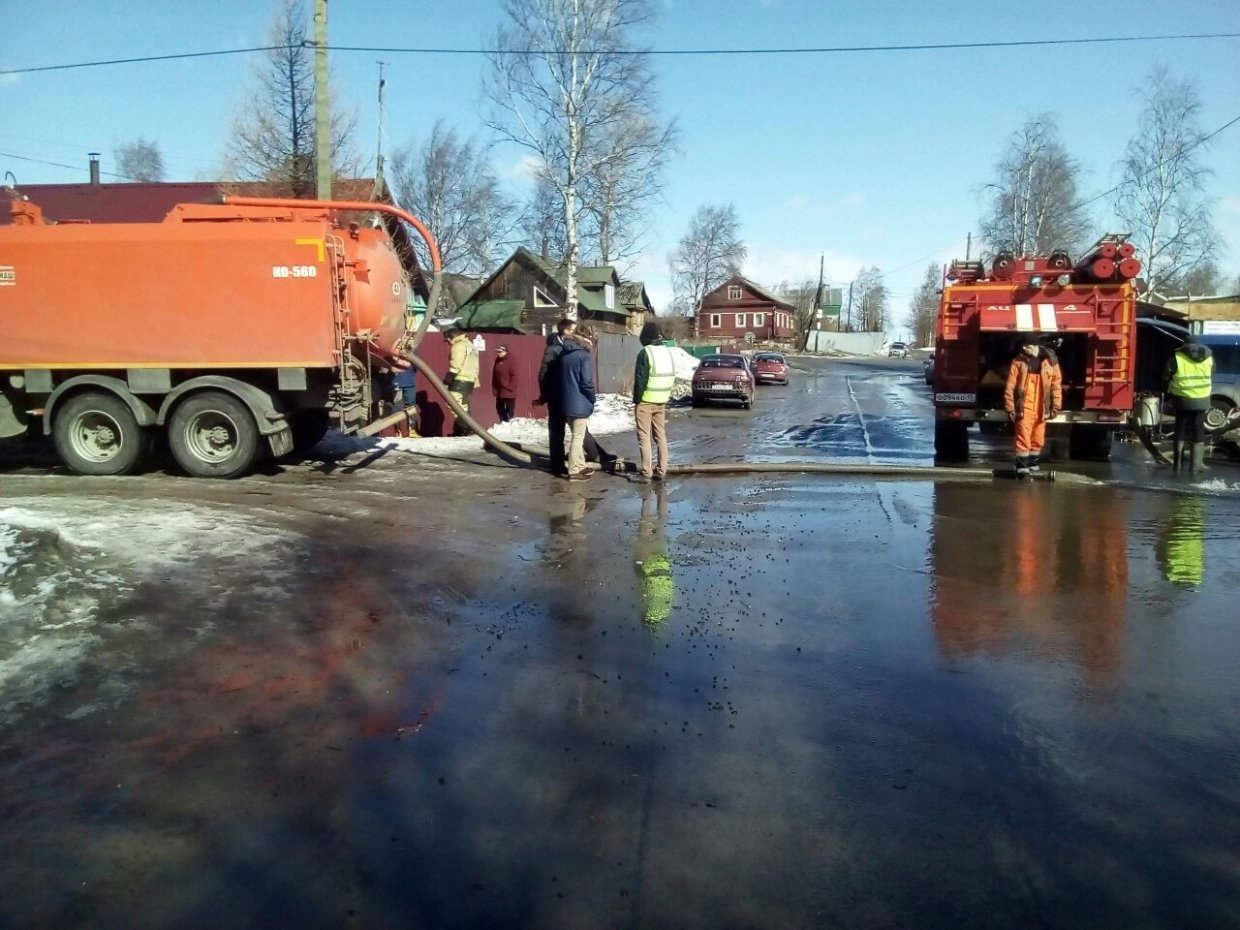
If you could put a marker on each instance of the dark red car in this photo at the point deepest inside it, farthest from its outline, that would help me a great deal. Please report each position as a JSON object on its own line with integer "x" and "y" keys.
{"x": 770, "y": 368}
{"x": 723, "y": 377}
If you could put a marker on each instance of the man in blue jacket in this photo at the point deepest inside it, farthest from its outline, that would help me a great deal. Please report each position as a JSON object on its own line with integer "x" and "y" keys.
{"x": 549, "y": 394}
{"x": 577, "y": 396}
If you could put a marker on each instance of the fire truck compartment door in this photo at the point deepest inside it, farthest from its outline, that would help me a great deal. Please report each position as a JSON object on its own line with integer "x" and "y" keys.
{"x": 1036, "y": 318}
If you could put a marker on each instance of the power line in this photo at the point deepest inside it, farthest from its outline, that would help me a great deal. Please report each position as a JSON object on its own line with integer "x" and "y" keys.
{"x": 666, "y": 52}
{"x": 56, "y": 164}
{"x": 133, "y": 61}
{"x": 813, "y": 50}
{"x": 1170, "y": 158}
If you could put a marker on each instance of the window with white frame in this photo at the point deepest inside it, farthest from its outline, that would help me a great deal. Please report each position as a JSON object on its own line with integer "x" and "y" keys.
{"x": 541, "y": 299}
{"x": 759, "y": 319}
{"x": 734, "y": 292}
{"x": 740, "y": 320}
{"x": 609, "y": 296}
{"x": 716, "y": 320}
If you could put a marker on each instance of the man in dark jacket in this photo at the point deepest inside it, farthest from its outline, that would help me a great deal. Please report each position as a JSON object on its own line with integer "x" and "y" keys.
{"x": 577, "y": 395}
{"x": 548, "y": 388}
{"x": 1188, "y": 379}
{"x": 504, "y": 384}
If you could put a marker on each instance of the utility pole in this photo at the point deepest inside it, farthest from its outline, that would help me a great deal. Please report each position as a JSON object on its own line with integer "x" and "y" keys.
{"x": 322, "y": 111}
{"x": 380, "y": 181}
{"x": 850, "y": 287}
{"x": 968, "y": 245}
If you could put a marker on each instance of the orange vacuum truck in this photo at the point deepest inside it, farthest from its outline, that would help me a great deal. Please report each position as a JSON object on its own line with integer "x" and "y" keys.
{"x": 233, "y": 330}
{"x": 1085, "y": 311}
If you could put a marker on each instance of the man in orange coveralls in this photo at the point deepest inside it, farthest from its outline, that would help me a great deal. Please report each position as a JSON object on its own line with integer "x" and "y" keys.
{"x": 1034, "y": 394}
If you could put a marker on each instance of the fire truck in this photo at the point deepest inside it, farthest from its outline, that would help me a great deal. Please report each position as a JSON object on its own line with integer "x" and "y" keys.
{"x": 1085, "y": 311}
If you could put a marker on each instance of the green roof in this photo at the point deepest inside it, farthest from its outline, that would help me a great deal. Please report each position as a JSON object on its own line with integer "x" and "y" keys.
{"x": 492, "y": 314}
{"x": 598, "y": 274}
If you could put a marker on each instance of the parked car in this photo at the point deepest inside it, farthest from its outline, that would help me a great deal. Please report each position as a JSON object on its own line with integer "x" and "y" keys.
{"x": 724, "y": 377}
{"x": 897, "y": 350}
{"x": 770, "y": 368}
{"x": 1225, "y": 395}
{"x": 928, "y": 370}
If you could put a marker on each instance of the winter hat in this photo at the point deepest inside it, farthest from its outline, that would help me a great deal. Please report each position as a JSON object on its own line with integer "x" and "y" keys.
{"x": 651, "y": 334}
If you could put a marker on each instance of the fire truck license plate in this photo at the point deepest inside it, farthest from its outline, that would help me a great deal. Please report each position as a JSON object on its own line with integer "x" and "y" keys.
{"x": 955, "y": 398}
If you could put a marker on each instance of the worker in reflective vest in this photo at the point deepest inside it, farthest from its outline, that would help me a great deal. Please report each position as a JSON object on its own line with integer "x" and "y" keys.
{"x": 1189, "y": 379}
{"x": 1182, "y": 542}
{"x": 1034, "y": 394}
{"x": 652, "y": 389}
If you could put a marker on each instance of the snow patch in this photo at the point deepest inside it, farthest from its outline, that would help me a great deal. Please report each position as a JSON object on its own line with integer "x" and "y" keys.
{"x": 613, "y": 413}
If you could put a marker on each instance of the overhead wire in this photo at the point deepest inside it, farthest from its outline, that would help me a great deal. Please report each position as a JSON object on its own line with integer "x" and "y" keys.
{"x": 654, "y": 52}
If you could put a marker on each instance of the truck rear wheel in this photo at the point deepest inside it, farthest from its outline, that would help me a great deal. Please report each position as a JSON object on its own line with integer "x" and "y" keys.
{"x": 951, "y": 441}
{"x": 213, "y": 435}
{"x": 97, "y": 434}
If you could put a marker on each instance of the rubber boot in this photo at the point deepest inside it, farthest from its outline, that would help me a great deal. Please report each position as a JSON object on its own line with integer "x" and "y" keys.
{"x": 1177, "y": 455}
{"x": 1198, "y": 451}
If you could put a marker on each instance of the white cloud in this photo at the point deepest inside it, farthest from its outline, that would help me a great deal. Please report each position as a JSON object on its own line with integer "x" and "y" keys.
{"x": 651, "y": 269}
{"x": 9, "y": 78}
{"x": 770, "y": 265}
{"x": 796, "y": 203}
{"x": 852, "y": 199}
{"x": 524, "y": 168}
{"x": 1230, "y": 204}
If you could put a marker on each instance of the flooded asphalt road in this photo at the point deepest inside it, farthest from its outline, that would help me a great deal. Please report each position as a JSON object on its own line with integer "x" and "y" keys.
{"x": 395, "y": 691}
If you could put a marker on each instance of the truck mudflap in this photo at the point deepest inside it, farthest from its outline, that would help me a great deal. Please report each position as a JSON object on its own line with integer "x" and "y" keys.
{"x": 142, "y": 411}
{"x": 269, "y": 415}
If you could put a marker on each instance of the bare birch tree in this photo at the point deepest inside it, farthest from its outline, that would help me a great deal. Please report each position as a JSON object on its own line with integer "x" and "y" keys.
{"x": 871, "y": 299}
{"x": 564, "y": 75}
{"x": 804, "y": 299}
{"x": 448, "y": 184}
{"x": 625, "y": 183}
{"x": 140, "y": 160}
{"x": 273, "y": 132}
{"x": 924, "y": 307}
{"x": 1034, "y": 207}
{"x": 708, "y": 254}
{"x": 541, "y": 223}
{"x": 1162, "y": 197}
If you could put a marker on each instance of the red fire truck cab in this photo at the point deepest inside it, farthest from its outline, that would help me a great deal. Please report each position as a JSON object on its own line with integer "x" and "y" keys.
{"x": 1085, "y": 312}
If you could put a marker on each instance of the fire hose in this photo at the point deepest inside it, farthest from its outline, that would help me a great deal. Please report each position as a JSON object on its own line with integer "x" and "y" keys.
{"x": 408, "y": 343}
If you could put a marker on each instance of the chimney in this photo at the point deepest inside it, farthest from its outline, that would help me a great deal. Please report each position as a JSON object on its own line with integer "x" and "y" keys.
{"x": 94, "y": 169}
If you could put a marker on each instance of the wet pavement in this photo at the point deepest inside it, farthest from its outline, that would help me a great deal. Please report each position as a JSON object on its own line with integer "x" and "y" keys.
{"x": 394, "y": 691}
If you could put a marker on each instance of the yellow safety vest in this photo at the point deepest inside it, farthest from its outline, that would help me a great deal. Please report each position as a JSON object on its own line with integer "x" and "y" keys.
{"x": 1186, "y": 555}
{"x": 658, "y": 590}
{"x": 661, "y": 375}
{"x": 1192, "y": 379}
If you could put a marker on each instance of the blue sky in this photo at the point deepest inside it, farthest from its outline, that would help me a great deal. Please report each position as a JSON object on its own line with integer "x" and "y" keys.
{"x": 871, "y": 158}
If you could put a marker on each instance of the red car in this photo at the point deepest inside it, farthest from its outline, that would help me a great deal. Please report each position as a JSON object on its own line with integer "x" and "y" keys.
{"x": 770, "y": 368}
{"x": 723, "y": 377}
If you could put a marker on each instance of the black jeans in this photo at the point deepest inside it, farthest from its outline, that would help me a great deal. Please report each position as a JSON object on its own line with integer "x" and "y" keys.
{"x": 1190, "y": 425}
{"x": 505, "y": 407}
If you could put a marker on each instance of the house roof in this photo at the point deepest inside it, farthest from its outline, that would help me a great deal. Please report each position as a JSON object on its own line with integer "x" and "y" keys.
{"x": 590, "y": 281}
{"x": 762, "y": 292}
{"x": 492, "y": 314}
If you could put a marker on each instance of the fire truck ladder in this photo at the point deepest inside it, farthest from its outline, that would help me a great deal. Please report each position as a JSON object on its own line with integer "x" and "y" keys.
{"x": 1113, "y": 332}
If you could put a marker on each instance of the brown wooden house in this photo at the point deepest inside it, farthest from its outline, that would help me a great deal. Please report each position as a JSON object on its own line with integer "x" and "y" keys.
{"x": 528, "y": 295}
{"x": 740, "y": 311}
